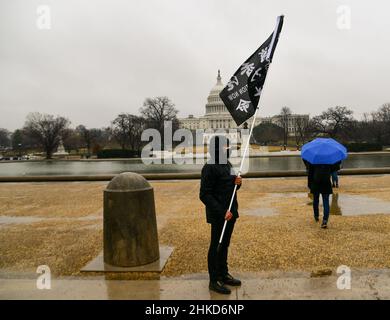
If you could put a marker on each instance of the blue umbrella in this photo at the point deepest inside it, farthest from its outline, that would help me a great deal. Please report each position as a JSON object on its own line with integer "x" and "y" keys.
{"x": 323, "y": 151}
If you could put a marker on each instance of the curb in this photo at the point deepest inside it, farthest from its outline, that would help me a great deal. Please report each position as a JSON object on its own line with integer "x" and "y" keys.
{"x": 186, "y": 176}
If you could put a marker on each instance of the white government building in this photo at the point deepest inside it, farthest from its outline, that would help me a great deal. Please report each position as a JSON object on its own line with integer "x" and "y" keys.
{"x": 218, "y": 117}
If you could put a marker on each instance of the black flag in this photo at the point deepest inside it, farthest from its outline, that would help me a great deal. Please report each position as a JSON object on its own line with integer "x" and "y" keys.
{"x": 242, "y": 93}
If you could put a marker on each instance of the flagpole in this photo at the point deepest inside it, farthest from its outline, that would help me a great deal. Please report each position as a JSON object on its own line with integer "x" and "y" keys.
{"x": 239, "y": 171}
{"x": 270, "y": 50}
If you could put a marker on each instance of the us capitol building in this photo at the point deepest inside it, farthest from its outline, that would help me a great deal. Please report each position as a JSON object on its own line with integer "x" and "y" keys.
{"x": 218, "y": 117}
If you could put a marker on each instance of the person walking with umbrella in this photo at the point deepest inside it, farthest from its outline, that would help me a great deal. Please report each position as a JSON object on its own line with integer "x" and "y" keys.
{"x": 322, "y": 157}
{"x": 321, "y": 185}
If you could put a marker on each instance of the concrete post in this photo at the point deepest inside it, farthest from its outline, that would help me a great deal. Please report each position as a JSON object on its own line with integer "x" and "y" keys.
{"x": 129, "y": 227}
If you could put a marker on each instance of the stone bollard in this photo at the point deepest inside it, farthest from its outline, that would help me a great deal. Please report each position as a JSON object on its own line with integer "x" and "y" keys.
{"x": 129, "y": 227}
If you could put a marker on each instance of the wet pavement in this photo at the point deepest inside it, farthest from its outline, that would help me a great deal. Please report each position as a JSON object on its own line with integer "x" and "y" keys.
{"x": 343, "y": 203}
{"x": 368, "y": 284}
{"x": 351, "y": 205}
{"x": 6, "y": 220}
{"x": 263, "y": 211}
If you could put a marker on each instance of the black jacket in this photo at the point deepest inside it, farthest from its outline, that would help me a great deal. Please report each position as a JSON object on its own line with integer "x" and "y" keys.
{"x": 216, "y": 188}
{"x": 323, "y": 185}
{"x": 309, "y": 172}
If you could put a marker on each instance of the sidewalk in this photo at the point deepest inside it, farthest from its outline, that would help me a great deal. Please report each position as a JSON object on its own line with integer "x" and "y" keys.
{"x": 369, "y": 284}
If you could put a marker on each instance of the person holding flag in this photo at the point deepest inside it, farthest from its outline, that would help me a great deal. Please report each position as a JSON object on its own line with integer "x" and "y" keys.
{"x": 218, "y": 185}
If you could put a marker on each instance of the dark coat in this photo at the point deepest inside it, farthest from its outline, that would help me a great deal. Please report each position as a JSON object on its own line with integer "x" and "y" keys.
{"x": 324, "y": 186}
{"x": 216, "y": 189}
{"x": 309, "y": 171}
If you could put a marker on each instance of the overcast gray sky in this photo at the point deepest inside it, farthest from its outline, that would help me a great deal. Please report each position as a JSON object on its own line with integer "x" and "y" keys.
{"x": 104, "y": 57}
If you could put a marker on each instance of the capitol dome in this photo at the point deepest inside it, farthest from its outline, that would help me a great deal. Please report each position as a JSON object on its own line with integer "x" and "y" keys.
{"x": 217, "y": 115}
{"x": 214, "y": 103}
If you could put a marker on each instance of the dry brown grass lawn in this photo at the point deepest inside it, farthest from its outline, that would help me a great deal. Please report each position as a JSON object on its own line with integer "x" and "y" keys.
{"x": 289, "y": 240}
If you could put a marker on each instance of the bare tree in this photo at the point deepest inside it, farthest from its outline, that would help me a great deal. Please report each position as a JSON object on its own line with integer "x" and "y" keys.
{"x": 90, "y": 137}
{"x": 158, "y": 110}
{"x": 47, "y": 130}
{"x": 302, "y": 130}
{"x": 17, "y": 139}
{"x": 378, "y": 123}
{"x": 285, "y": 114}
{"x": 333, "y": 122}
{"x": 72, "y": 140}
{"x": 266, "y": 133}
{"x": 138, "y": 125}
{"x": 120, "y": 130}
{"x": 127, "y": 130}
{"x": 5, "y": 138}
{"x": 383, "y": 114}
{"x": 85, "y": 136}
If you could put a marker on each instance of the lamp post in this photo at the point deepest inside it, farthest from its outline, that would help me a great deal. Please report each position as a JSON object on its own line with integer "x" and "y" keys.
{"x": 20, "y": 150}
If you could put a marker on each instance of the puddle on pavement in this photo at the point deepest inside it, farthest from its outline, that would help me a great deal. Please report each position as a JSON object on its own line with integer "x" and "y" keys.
{"x": 12, "y": 219}
{"x": 5, "y": 220}
{"x": 340, "y": 204}
{"x": 260, "y": 212}
{"x": 349, "y": 205}
{"x": 346, "y": 204}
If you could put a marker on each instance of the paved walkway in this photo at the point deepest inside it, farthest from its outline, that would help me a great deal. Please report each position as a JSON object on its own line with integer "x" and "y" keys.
{"x": 372, "y": 284}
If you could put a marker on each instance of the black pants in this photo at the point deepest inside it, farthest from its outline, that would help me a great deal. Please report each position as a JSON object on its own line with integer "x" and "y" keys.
{"x": 217, "y": 261}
